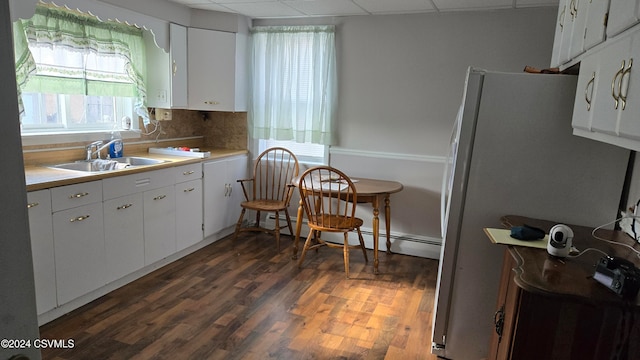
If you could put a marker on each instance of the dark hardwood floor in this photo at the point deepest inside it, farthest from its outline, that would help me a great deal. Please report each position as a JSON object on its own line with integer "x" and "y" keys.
{"x": 253, "y": 303}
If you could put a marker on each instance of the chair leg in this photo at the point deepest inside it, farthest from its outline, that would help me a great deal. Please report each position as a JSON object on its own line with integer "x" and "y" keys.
{"x": 238, "y": 225}
{"x": 258, "y": 218}
{"x": 306, "y": 247}
{"x": 277, "y": 229}
{"x": 346, "y": 253}
{"x": 286, "y": 213}
{"x": 364, "y": 250}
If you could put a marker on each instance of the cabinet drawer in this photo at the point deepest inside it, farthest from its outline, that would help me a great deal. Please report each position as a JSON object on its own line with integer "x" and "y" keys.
{"x": 116, "y": 187}
{"x": 188, "y": 172}
{"x": 67, "y": 197}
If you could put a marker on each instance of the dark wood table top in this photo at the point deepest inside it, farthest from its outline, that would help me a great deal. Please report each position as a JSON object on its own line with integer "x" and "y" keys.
{"x": 539, "y": 272}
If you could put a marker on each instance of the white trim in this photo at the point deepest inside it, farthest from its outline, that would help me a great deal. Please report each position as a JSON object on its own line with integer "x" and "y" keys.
{"x": 406, "y": 244}
{"x": 102, "y": 138}
{"x": 387, "y": 155}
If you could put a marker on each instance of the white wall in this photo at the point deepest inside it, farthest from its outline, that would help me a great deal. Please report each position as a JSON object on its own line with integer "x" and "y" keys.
{"x": 401, "y": 79}
{"x": 17, "y": 298}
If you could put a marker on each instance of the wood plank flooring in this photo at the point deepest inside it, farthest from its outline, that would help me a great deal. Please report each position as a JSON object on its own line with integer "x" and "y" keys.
{"x": 249, "y": 302}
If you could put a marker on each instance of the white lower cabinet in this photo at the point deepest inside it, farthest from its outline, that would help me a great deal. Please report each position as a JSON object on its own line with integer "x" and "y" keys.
{"x": 159, "y": 224}
{"x": 88, "y": 235}
{"x": 123, "y": 235}
{"x": 79, "y": 251}
{"x": 44, "y": 267}
{"x": 222, "y": 193}
{"x": 188, "y": 213}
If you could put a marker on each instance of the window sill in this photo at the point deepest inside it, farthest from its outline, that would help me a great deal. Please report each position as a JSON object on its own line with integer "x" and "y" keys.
{"x": 62, "y": 138}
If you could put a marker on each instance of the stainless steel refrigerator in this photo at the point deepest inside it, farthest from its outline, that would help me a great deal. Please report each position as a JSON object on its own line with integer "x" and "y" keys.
{"x": 512, "y": 152}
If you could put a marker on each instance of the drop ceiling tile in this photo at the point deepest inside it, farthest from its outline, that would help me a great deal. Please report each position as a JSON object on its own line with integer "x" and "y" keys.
{"x": 263, "y": 9}
{"x": 191, "y": 2}
{"x": 472, "y": 4}
{"x": 326, "y": 7}
{"x": 395, "y": 6}
{"x": 209, "y": 6}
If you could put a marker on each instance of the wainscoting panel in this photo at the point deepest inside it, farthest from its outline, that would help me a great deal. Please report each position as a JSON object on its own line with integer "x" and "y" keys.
{"x": 415, "y": 211}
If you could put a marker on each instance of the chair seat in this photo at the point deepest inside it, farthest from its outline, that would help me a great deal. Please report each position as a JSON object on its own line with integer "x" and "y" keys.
{"x": 333, "y": 223}
{"x": 264, "y": 205}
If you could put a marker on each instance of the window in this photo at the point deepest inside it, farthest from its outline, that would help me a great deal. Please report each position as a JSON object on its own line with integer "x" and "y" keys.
{"x": 77, "y": 74}
{"x": 294, "y": 88}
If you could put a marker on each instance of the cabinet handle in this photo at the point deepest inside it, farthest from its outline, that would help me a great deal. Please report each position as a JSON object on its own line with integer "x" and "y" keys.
{"x": 498, "y": 321}
{"x": 588, "y": 95}
{"x": 186, "y": 173}
{"x": 160, "y": 197}
{"x": 31, "y": 205}
{"x": 212, "y": 102}
{"x": 125, "y": 206}
{"x": 613, "y": 86}
{"x": 226, "y": 190}
{"x": 626, "y": 72}
{"x": 79, "y": 218}
{"x": 174, "y": 68}
{"x": 230, "y": 189}
{"x": 78, "y": 195}
{"x": 561, "y": 18}
{"x": 189, "y": 190}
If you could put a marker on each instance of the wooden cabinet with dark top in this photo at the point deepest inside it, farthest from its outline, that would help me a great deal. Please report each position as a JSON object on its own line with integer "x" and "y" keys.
{"x": 550, "y": 308}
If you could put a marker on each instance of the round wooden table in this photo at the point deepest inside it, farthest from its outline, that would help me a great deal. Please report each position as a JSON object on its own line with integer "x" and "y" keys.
{"x": 369, "y": 191}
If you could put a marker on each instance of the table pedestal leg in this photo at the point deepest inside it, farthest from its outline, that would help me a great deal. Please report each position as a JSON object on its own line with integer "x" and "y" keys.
{"x": 376, "y": 234}
{"x": 387, "y": 217}
{"x": 296, "y": 239}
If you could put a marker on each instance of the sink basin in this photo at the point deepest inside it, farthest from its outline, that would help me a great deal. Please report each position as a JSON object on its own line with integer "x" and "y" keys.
{"x": 107, "y": 165}
{"x": 138, "y": 161}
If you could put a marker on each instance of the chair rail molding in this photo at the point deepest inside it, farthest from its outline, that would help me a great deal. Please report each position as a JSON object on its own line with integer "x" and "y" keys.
{"x": 387, "y": 155}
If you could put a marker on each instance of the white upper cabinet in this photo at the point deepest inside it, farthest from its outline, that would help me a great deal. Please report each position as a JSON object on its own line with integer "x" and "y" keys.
{"x": 622, "y": 15}
{"x": 596, "y": 22}
{"x": 167, "y": 79}
{"x": 580, "y": 26}
{"x": 217, "y": 80}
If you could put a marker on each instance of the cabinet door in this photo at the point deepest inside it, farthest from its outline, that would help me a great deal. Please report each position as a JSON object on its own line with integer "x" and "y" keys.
{"x": 579, "y": 12}
{"x": 79, "y": 251}
{"x": 556, "y": 58}
{"x": 222, "y": 193}
{"x": 188, "y": 213}
{"x": 215, "y": 196}
{"x": 237, "y": 169}
{"x": 167, "y": 80}
{"x": 622, "y": 15}
{"x": 629, "y": 121}
{"x": 124, "y": 235}
{"x": 159, "y": 224}
{"x": 44, "y": 268}
{"x": 586, "y": 93}
{"x": 211, "y": 70}
{"x": 178, "y": 58}
{"x": 596, "y": 22}
{"x": 607, "y": 104}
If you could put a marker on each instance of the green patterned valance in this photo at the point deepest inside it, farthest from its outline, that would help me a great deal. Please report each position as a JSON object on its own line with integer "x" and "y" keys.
{"x": 68, "y": 52}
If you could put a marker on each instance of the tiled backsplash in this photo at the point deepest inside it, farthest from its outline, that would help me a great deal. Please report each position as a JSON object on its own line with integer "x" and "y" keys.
{"x": 217, "y": 130}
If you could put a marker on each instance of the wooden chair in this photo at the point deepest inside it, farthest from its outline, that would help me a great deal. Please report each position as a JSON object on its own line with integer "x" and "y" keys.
{"x": 329, "y": 201}
{"x": 271, "y": 190}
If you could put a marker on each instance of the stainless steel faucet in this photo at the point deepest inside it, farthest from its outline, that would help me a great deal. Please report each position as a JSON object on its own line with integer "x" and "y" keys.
{"x": 94, "y": 145}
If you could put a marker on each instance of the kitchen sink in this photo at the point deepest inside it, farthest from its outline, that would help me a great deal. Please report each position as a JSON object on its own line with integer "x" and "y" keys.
{"x": 100, "y": 165}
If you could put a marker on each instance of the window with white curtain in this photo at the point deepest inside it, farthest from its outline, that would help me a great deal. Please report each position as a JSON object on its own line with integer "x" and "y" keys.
{"x": 77, "y": 73}
{"x": 293, "y": 88}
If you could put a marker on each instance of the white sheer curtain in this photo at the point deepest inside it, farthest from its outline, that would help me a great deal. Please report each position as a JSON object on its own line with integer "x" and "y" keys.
{"x": 294, "y": 83}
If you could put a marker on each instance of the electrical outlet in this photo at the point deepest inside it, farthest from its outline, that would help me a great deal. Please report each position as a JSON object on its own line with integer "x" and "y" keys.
{"x": 166, "y": 114}
{"x": 163, "y": 114}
